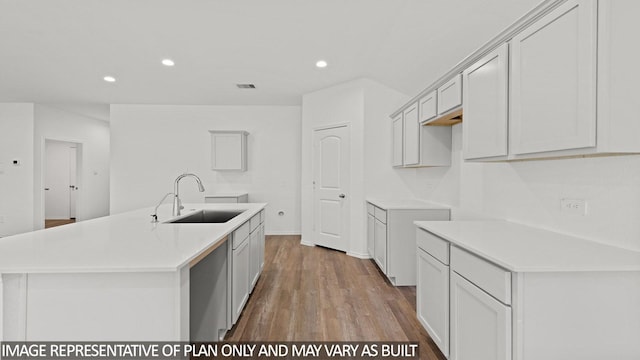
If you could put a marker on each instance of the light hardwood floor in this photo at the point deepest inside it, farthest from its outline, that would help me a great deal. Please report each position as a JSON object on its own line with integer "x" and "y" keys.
{"x": 316, "y": 294}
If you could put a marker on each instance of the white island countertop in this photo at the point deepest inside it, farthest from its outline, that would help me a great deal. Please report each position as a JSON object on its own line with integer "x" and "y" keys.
{"x": 126, "y": 242}
{"x": 404, "y": 204}
{"x": 521, "y": 248}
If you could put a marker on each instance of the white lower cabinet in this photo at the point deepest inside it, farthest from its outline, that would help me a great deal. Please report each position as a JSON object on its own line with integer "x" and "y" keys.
{"x": 480, "y": 324}
{"x": 432, "y": 302}
{"x": 380, "y": 244}
{"x": 261, "y": 239}
{"x": 371, "y": 220}
{"x": 254, "y": 258}
{"x": 240, "y": 278}
{"x": 391, "y": 233}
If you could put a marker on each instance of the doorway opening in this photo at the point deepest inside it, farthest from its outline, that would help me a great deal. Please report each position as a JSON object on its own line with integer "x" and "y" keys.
{"x": 61, "y": 179}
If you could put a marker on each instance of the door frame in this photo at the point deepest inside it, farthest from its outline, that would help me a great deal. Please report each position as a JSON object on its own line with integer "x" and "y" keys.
{"x": 313, "y": 167}
{"x": 79, "y": 177}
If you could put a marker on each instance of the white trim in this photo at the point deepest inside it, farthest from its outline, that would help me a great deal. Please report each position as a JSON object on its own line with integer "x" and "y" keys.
{"x": 359, "y": 255}
{"x": 536, "y": 13}
{"x": 306, "y": 243}
{"x": 332, "y": 126}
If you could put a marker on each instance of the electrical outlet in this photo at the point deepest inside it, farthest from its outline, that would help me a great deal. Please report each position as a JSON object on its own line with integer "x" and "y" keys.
{"x": 573, "y": 206}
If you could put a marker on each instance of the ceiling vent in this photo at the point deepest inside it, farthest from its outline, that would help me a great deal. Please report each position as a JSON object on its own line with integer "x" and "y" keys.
{"x": 246, "y": 86}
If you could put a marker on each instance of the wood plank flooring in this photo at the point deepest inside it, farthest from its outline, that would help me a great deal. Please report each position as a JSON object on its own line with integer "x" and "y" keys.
{"x": 317, "y": 294}
{"x": 49, "y": 223}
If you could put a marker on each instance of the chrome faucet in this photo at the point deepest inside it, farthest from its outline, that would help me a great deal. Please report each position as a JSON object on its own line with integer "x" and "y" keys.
{"x": 154, "y": 216}
{"x": 177, "y": 206}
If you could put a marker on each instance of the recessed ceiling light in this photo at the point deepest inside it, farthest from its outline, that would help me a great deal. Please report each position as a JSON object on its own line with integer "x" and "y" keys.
{"x": 109, "y": 79}
{"x": 168, "y": 62}
{"x": 321, "y": 64}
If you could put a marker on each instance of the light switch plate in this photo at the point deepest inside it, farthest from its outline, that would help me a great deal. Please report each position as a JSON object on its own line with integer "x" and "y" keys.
{"x": 573, "y": 206}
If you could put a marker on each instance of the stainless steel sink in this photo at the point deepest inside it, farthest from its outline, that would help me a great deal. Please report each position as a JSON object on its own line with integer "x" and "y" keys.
{"x": 207, "y": 216}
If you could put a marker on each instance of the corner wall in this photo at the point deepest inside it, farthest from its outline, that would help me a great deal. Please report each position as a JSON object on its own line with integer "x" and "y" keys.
{"x": 16, "y": 182}
{"x": 364, "y": 105}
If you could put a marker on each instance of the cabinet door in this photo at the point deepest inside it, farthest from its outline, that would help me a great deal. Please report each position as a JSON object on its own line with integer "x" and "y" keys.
{"x": 484, "y": 129}
{"x": 411, "y": 136}
{"x": 380, "y": 244}
{"x": 398, "y": 133}
{"x": 229, "y": 150}
{"x": 480, "y": 324}
{"x": 370, "y": 234}
{"x": 432, "y": 299}
{"x": 553, "y": 87}
{"x": 254, "y": 258}
{"x": 428, "y": 106}
{"x": 450, "y": 95}
{"x": 240, "y": 276}
{"x": 261, "y": 239}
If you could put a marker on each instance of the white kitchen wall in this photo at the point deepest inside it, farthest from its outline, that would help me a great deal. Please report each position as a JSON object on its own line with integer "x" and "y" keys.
{"x": 529, "y": 192}
{"x": 57, "y": 123}
{"x": 16, "y": 182}
{"x": 364, "y": 105}
{"x": 152, "y": 144}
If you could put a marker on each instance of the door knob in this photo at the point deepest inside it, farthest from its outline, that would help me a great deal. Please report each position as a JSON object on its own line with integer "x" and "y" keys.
{"x": 342, "y": 196}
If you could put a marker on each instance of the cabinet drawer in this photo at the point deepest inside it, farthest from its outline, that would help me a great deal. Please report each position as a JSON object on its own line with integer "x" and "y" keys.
{"x": 370, "y": 208}
{"x": 433, "y": 245}
{"x": 241, "y": 234}
{"x": 450, "y": 95}
{"x": 380, "y": 214}
{"x": 254, "y": 222}
{"x": 493, "y": 279}
{"x": 261, "y": 216}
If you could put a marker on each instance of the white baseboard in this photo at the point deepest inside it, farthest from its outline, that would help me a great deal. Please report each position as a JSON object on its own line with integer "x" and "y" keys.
{"x": 306, "y": 243}
{"x": 358, "y": 255}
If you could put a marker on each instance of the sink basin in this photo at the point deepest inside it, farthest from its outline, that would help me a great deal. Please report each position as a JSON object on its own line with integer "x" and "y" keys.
{"x": 208, "y": 216}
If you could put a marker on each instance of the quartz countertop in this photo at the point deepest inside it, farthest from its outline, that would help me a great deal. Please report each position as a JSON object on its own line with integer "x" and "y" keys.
{"x": 521, "y": 248}
{"x": 404, "y": 204}
{"x": 126, "y": 242}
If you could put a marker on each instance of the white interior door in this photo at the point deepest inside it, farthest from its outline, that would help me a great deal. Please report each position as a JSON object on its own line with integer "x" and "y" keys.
{"x": 331, "y": 187}
{"x": 73, "y": 180}
{"x": 56, "y": 180}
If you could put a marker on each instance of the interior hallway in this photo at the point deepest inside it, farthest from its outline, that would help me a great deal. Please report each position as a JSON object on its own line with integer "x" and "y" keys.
{"x": 316, "y": 294}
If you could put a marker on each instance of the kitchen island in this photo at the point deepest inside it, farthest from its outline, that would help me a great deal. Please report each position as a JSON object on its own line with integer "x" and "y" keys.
{"x": 122, "y": 277}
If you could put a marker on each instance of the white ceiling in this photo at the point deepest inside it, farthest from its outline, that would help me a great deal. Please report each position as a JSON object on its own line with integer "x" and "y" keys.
{"x": 58, "y": 51}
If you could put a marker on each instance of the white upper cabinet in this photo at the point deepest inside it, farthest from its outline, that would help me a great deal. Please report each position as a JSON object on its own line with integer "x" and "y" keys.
{"x": 450, "y": 95}
{"x": 618, "y": 75}
{"x": 428, "y": 106}
{"x": 553, "y": 81}
{"x": 485, "y": 85}
{"x": 411, "y": 136}
{"x": 229, "y": 150}
{"x": 416, "y": 145}
{"x": 398, "y": 135}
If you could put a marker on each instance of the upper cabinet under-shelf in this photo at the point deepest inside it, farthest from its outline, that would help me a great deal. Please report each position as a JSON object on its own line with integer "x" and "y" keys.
{"x": 531, "y": 92}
